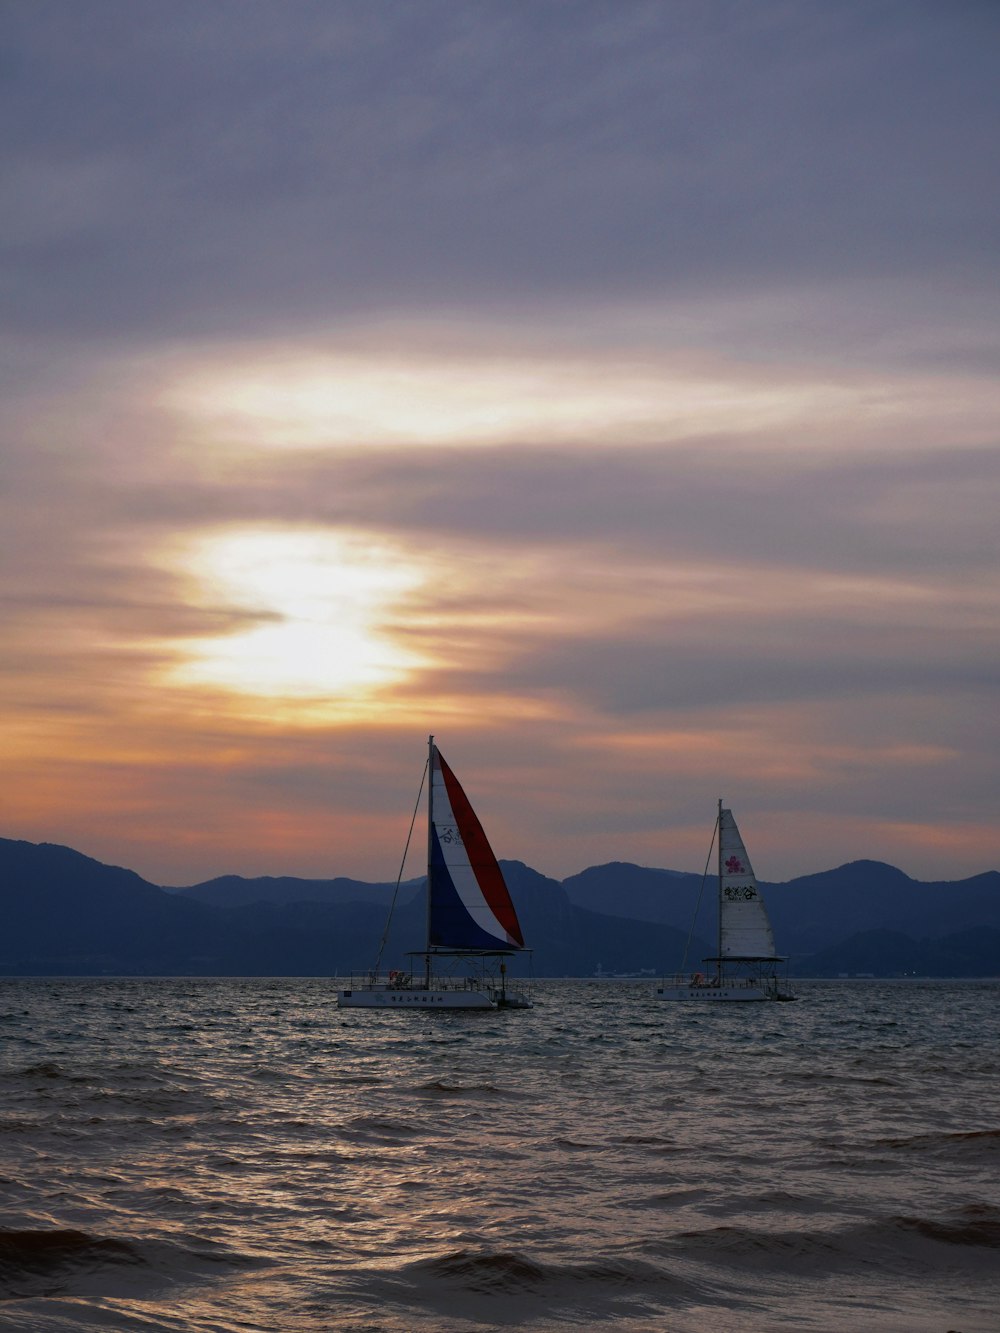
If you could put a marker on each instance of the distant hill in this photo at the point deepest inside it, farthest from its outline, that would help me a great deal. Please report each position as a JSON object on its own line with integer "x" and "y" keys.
{"x": 62, "y": 912}
{"x": 65, "y": 913}
{"x": 970, "y": 953}
{"x": 235, "y": 891}
{"x": 641, "y": 892}
{"x": 810, "y": 913}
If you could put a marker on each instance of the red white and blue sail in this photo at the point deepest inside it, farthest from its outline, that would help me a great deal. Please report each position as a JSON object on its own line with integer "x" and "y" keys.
{"x": 470, "y": 906}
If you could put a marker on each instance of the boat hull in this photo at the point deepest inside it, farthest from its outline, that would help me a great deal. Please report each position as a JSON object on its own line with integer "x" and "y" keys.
{"x": 413, "y": 997}
{"x": 713, "y": 994}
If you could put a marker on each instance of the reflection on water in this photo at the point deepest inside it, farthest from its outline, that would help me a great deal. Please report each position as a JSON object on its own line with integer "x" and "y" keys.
{"x": 239, "y": 1154}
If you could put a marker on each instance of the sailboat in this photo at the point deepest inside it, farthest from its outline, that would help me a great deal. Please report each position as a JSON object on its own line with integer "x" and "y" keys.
{"x": 745, "y": 965}
{"x": 472, "y": 927}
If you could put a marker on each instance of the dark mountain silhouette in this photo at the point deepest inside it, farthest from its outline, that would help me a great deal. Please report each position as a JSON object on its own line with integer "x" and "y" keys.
{"x": 574, "y": 941}
{"x": 970, "y": 953}
{"x": 64, "y": 913}
{"x": 235, "y": 891}
{"x": 812, "y": 911}
{"x": 809, "y": 913}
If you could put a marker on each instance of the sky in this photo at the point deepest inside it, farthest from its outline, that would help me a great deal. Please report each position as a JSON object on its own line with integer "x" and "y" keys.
{"x": 607, "y": 387}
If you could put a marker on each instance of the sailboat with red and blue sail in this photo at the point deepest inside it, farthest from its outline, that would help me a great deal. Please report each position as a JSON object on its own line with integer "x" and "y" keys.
{"x": 472, "y": 926}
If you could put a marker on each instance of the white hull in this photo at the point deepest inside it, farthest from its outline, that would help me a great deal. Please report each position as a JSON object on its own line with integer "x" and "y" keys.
{"x": 369, "y": 996}
{"x": 713, "y": 994}
{"x": 415, "y": 997}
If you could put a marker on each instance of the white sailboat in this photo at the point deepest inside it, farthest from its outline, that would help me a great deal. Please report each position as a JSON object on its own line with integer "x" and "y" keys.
{"x": 745, "y": 967}
{"x": 472, "y": 927}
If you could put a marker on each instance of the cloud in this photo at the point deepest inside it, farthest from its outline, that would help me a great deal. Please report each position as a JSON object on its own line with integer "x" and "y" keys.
{"x": 217, "y": 168}
{"x": 647, "y": 351}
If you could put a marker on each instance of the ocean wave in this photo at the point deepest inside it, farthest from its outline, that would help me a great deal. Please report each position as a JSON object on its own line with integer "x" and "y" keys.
{"x": 892, "y": 1243}
{"x": 653, "y": 1145}
{"x": 47, "y": 1069}
{"x": 483, "y": 1272}
{"x": 511, "y": 1273}
{"x": 963, "y": 1142}
{"x": 44, "y": 1262}
{"x": 840, "y": 1078}
{"x": 648, "y": 1140}
{"x": 479, "y": 1286}
{"x": 380, "y": 1129}
{"x": 439, "y": 1088}
{"x": 668, "y": 1199}
{"x": 399, "y": 1182}
{"x": 977, "y": 1225}
{"x": 53, "y": 1261}
{"x": 10, "y": 1124}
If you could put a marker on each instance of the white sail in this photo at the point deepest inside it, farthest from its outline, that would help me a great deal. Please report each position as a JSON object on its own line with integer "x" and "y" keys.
{"x": 744, "y": 928}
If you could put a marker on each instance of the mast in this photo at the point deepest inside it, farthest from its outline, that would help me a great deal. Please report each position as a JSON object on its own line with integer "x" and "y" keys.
{"x": 430, "y": 858}
{"x": 718, "y": 830}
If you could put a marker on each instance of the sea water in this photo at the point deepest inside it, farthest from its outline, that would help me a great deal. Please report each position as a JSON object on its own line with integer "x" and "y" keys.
{"x": 240, "y": 1155}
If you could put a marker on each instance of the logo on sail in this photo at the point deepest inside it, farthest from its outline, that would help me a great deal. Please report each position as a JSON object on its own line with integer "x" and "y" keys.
{"x": 743, "y": 894}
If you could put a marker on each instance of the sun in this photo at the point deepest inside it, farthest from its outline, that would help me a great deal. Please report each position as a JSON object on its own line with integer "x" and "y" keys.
{"x": 308, "y": 613}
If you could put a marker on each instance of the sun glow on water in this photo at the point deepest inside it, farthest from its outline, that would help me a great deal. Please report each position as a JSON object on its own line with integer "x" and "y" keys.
{"x": 310, "y": 614}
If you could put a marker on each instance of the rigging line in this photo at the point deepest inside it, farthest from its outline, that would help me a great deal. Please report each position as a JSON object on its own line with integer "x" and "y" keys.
{"x": 697, "y": 906}
{"x": 395, "y": 892}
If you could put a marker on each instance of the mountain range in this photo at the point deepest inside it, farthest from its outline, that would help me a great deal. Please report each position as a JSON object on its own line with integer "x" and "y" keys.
{"x": 64, "y": 913}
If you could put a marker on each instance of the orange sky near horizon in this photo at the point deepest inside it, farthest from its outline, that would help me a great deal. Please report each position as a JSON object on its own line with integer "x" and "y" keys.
{"x": 242, "y": 633}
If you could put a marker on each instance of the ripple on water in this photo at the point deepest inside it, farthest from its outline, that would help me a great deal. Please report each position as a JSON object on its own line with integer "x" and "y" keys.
{"x": 240, "y": 1156}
